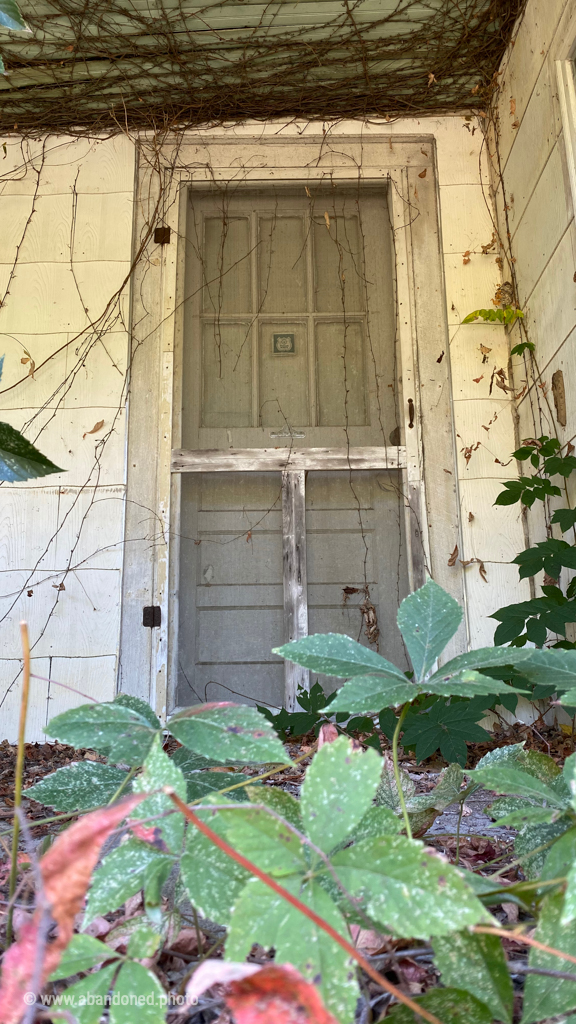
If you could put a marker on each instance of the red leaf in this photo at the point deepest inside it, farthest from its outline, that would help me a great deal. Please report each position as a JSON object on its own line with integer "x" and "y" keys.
{"x": 66, "y": 870}
{"x": 259, "y": 996}
{"x": 328, "y": 733}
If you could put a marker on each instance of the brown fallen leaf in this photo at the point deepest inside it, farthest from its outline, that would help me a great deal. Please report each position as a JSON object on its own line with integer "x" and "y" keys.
{"x": 423, "y": 173}
{"x": 327, "y": 219}
{"x": 453, "y": 557}
{"x": 466, "y": 257}
{"x": 431, "y": 78}
{"x": 512, "y": 105}
{"x": 478, "y": 379}
{"x": 97, "y": 426}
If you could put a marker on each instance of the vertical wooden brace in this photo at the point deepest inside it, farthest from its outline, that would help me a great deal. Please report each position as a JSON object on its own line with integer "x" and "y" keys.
{"x": 294, "y": 575}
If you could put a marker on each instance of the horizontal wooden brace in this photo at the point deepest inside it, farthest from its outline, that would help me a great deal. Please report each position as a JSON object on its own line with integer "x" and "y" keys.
{"x": 273, "y": 460}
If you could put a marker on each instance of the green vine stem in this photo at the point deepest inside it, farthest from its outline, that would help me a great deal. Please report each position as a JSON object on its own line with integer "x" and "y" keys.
{"x": 397, "y": 776}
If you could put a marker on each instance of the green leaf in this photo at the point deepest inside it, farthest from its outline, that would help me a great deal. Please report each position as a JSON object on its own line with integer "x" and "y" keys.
{"x": 82, "y": 953}
{"x": 387, "y": 792}
{"x": 188, "y": 762}
{"x": 406, "y": 889}
{"x": 11, "y": 17}
{"x": 548, "y": 555}
{"x": 444, "y": 726}
{"x": 477, "y": 963}
{"x": 262, "y": 916}
{"x": 86, "y": 999}
{"x": 378, "y": 821}
{"x": 565, "y": 517}
{"x": 428, "y": 619}
{"x": 569, "y": 908}
{"x": 467, "y": 683}
{"x": 201, "y": 784}
{"x": 20, "y": 460}
{"x": 228, "y": 731}
{"x": 339, "y": 787}
{"x": 335, "y": 654}
{"x": 144, "y": 941}
{"x": 137, "y": 994}
{"x": 503, "y": 779}
{"x": 450, "y": 1005}
{"x": 447, "y": 791}
{"x": 370, "y": 693}
{"x": 80, "y": 786}
{"x": 126, "y": 700}
{"x": 159, "y": 771}
{"x": 263, "y": 839}
{"x": 531, "y": 838}
{"x": 278, "y": 800}
{"x": 111, "y": 729}
{"x": 121, "y": 874}
{"x": 213, "y": 880}
{"x": 549, "y": 997}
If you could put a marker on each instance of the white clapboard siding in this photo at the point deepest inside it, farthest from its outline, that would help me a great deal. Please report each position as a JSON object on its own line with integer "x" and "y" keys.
{"x": 96, "y": 367}
{"x": 11, "y": 695}
{"x": 28, "y": 524}
{"x": 62, "y": 440}
{"x": 494, "y": 534}
{"x": 459, "y": 158}
{"x": 551, "y": 308}
{"x": 484, "y": 598}
{"x": 469, "y": 286}
{"x": 93, "y": 677}
{"x": 468, "y": 361}
{"x": 466, "y": 219}
{"x": 91, "y": 524}
{"x": 497, "y": 442}
{"x": 47, "y": 297}
{"x": 46, "y": 387}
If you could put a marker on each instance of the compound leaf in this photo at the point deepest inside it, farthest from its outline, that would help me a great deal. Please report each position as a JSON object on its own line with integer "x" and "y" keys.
{"x": 212, "y": 880}
{"x": 159, "y": 771}
{"x": 111, "y": 729}
{"x": 334, "y": 654}
{"x": 121, "y": 874}
{"x": 548, "y": 997}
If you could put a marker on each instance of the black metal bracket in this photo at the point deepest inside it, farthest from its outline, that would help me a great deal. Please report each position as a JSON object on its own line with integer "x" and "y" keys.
{"x": 152, "y": 616}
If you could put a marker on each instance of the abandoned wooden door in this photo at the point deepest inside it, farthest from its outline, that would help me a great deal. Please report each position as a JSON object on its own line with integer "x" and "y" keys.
{"x": 292, "y": 507}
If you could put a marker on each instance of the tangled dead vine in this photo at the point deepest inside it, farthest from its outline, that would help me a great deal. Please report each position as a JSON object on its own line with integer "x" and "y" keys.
{"x": 109, "y": 65}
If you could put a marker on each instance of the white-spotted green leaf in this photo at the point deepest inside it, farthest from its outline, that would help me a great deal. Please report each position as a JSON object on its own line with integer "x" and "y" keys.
{"x": 11, "y": 17}
{"x": 513, "y": 781}
{"x": 466, "y": 683}
{"x": 144, "y": 941}
{"x": 477, "y": 964}
{"x": 510, "y": 756}
{"x": 548, "y": 997}
{"x": 372, "y": 693}
{"x": 86, "y": 999}
{"x": 450, "y": 1005}
{"x": 569, "y": 773}
{"x": 200, "y": 784}
{"x": 19, "y": 459}
{"x": 334, "y": 654}
{"x": 121, "y": 874}
{"x": 264, "y": 840}
{"x": 126, "y": 700}
{"x": 159, "y": 771}
{"x": 228, "y": 731}
{"x": 533, "y": 841}
{"x": 279, "y": 801}
{"x": 264, "y": 917}
{"x": 80, "y": 786}
{"x": 121, "y": 733}
{"x": 569, "y": 908}
{"x": 539, "y": 666}
{"x": 190, "y": 763}
{"x": 427, "y": 619}
{"x": 212, "y": 880}
{"x": 82, "y": 953}
{"x": 387, "y": 792}
{"x": 138, "y": 995}
{"x": 407, "y": 890}
{"x": 378, "y": 821}
{"x": 560, "y": 857}
{"x": 446, "y": 791}
{"x": 339, "y": 788}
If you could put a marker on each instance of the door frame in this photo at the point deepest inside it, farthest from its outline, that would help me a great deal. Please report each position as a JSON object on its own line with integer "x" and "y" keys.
{"x": 147, "y": 664}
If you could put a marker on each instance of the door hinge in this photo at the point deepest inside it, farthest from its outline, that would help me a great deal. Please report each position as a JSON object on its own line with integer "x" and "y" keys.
{"x": 152, "y": 616}
{"x": 162, "y": 235}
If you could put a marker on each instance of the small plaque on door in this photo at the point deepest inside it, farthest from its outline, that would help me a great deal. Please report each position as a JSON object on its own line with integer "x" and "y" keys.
{"x": 284, "y": 343}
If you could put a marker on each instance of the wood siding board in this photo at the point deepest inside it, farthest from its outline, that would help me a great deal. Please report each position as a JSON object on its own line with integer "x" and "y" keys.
{"x": 271, "y": 460}
{"x": 295, "y": 578}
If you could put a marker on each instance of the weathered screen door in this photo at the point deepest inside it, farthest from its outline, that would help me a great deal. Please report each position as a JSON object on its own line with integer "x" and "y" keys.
{"x": 292, "y": 506}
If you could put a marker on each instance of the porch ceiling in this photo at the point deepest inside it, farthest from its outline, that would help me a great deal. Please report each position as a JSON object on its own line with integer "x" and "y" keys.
{"x": 102, "y": 64}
